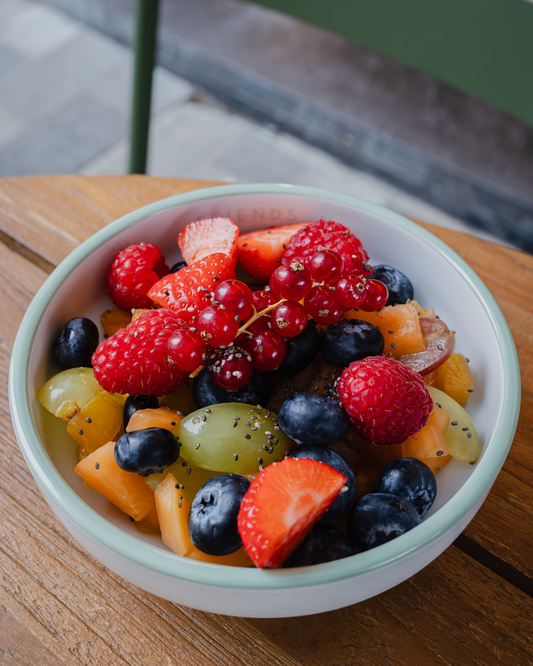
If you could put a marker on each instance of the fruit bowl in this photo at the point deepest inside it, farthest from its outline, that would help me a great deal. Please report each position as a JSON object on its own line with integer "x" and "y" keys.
{"x": 441, "y": 279}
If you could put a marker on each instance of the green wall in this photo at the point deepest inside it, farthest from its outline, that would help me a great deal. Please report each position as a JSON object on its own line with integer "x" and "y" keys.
{"x": 484, "y": 47}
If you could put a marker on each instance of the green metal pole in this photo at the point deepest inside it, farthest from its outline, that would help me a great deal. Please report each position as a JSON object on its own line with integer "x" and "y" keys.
{"x": 146, "y": 13}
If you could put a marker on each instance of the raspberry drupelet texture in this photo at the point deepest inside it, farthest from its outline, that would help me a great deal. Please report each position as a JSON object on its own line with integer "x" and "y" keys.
{"x": 132, "y": 273}
{"x": 135, "y": 360}
{"x": 387, "y": 400}
{"x": 323, "y": 235}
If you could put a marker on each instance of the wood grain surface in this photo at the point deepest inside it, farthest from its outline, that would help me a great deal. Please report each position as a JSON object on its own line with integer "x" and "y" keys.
{"x": 473, "y": 605}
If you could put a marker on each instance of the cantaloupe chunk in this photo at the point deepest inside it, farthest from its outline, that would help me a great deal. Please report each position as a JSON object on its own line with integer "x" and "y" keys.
{"x": 422, "y": 312}
{"x": 162, "y": 417}
{"x": 428, "y": 442}
{"x": 399, "y": 325}
{"x": 127, "y": 490}
{"x": 455, "y": 379}
{"x": 237, "y": 559}
{"x": 114, "y": 320}
{"x": 436, "y": 464}
{"x": 438, "y": 418}
{"x": 430, "y": 378}
{"x": 97, "y": 422}
{"x": 173, "y": 508}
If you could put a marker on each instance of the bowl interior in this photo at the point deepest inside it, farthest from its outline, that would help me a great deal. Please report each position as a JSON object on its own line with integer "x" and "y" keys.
{"x": 438, "y": 283}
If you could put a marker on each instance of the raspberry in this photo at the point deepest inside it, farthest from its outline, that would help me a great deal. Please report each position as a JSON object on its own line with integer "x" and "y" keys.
{"x": 135, "y": 360}
{"x": 324, "y": 235}
{"x": 387, "y": 400}
{"x": 132, "y": 273}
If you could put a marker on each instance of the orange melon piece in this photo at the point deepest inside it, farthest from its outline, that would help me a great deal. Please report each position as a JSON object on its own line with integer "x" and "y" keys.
{"x": 97, "y": 422}
{"x": 455, "y": 379}
{"x": 162, "y": 417}
{"x": 422, "y": 312}
{"x": 173, "y": 508}
{"x": 399, "y": 325}
{"x": 436, "y": 464}
{"x": 114, "y": 320}
{"x": 127, "y": 490}
{"x": 438, "y": 418}
{"x": 430, "y": 378}
{"x": 237, "y": 559}
{"x": 426, "y": 443}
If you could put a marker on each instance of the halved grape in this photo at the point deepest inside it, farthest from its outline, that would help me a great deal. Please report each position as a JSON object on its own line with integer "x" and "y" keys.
{"x": 67, "y": 392}
{"x": 440, "y": 342}
{"x": 232, "y": 437}
{"x": 460, "y": 434}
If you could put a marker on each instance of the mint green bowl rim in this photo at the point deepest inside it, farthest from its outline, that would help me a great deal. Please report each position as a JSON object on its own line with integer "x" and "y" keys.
{"x": 59, "y": 493}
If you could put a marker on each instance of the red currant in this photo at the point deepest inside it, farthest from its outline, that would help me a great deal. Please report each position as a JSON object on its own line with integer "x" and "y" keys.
{"x": 186, "y": 349}
{"x": 262, "y": 299}
{"x": 321, "y": 304}
{"x": 231, "y": 369}
{"x": 236, "y": 296}
{"x": 377, "y": 295}
{"x": 350, "y": 291}
{"x": 326, "y": 266}
{"x": 217, "y": 326}
{"x": 267, "y": 349}
{"x": 289, "y": 319}
{"x": 291, "y": 281}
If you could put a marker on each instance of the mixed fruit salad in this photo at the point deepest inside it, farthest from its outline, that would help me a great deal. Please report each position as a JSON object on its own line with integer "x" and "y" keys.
{"x": 291, "y": 416}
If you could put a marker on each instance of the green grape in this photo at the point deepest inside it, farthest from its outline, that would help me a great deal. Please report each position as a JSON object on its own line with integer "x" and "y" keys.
{"x": 190, "y": 477}
{"x": 67, "y": 392}
{"x": 460, "y": 434}
{"x": 232, "y": 437}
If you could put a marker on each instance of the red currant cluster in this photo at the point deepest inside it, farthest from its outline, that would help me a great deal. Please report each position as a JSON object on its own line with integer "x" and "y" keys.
{"x": 243, "y": 330}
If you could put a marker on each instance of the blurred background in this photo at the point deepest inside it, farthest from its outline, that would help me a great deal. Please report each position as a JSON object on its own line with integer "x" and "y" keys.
{"x": 423, "y": 107}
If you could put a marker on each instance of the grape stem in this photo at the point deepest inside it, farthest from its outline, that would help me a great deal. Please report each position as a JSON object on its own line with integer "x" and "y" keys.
{"x": 242, "y": 329}
{"x": 255, "y": 317}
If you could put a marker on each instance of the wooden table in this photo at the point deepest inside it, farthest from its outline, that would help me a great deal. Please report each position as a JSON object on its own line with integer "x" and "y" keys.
{"x": 58, "y": 605}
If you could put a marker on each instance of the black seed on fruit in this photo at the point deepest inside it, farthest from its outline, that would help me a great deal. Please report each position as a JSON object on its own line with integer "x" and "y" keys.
{"x": 88, "y": 420}
{"x": 469, "y": 435}
{"x": 438, "y": 469}
{"x": 208, "y": 411}
{"x": 247, "y": 423}
{"x": 177, "y": 486}
{"x": 235, "y": 424}
{"x": 454, "y": 423}
{"x": 439, "y": 406}
{"x": 96, "y": 465}
{"x": 132, "y": 519}
{"x": 173, "y": 423}
{"x": 465, "y": 429}
{"x": 166, "y": 292}
{"x": 189, "y": 470}
{"x": 439, "y": 347}
{"x": 235, "y": 456}
{"x": 80, "y": 432}
{"x": 184, "y": 464}
{"x": 197, "y": 446}
{"x": 247, "y": 435}
{"x": 440, "y": 453}
{"x": 470, "y": 390}
{"x": 391, "y": 332}
{"x": 260, "y": 461}
{"x": 179, "y": 504}
{"x": 393, "y": 345}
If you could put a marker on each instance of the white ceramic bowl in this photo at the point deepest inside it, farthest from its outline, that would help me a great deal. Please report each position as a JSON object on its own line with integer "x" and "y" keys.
{"x": 442, "y": 280}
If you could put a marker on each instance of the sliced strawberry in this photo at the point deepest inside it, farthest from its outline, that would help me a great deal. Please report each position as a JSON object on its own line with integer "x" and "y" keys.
{"x": 190, "y": 290}
{"x": 210, "y": 236}
{"x": 260, "y": 251}
{"x": 282, "y": 505}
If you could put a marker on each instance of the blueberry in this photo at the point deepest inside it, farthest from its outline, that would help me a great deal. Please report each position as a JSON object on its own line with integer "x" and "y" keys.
{"x": 205, "y": 392}
{"x": 178, "y": 266}
{"x": 378, "y": 518}
{"x": 351, "y": 340}
{"x": 214, "y": 511}
{"x": 313, "y": 420}
{"x": 324, "y": 543}
{"x": 326, "y": 455}
{"x": 76, "y": 343}
{"x": 411, "y": 479}
{"x": 147, "y": 451}
{"x": 301, "y": 351}
{"x": 135, "y": 403}
{"x": 399, "y": 285}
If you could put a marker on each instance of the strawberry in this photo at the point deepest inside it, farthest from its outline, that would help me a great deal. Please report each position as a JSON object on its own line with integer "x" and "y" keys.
{"x": 281, "y": 506}
{"x": 134, "y": 360}
{"x": 190, "y": 290}
{"x": 260, "y": 251}
{"x": 210, "y": 236}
